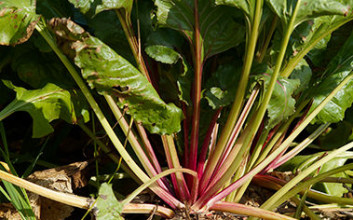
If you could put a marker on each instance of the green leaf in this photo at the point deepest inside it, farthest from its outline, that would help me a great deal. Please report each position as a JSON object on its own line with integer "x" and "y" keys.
{"x": 339, "y": 67}
{"x": 163, "y": 54}
{"x": 108, "y": 207}
{"x": 17, "y": 21}
{"x": 333, "y": 189}
{"x": 115, "y": 37}
{"x": 44, "y": 105}
{"x": 302, "y": 72}
{"x": 308, "y": 9}
{"x": 246, "y": 6}
{"x": 175, "y": 80}
{"x": 222, "y": 86}
{"x": 97, "y": 6}
{"x": 338, "y": 135}
{"x": 110, "y": 73}
{"x": 37, "y": 69}
{"x": 27, "y": 5}
{"x": 282, "y": 104}
{"x": 219, "y": 31}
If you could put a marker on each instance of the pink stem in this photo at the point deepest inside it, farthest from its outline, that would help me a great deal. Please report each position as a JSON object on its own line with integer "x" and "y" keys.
{"x": 206, "y": 143}
{"x": 197, "y": 90}
{"x": 186, "y": 136}
{"x": 207, "y": 183}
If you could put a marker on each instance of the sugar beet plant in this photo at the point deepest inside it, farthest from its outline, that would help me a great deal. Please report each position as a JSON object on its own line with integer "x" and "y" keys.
{"x": 228, "y": 85}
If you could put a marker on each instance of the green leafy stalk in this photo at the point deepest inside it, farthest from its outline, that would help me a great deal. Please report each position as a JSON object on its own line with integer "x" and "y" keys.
{"x": 252, "y": 128}
{"x": 275, "y": 184}
{"x": 110, "y": 132}
{"x": 275, "y": 153}
{"x": 239, "y": 97}
{"x": 264, "y": 48}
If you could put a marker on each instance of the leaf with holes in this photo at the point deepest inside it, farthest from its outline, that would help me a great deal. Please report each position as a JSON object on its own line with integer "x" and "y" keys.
{"x": 110, "y": 73}
{"x": 17, "y": 21}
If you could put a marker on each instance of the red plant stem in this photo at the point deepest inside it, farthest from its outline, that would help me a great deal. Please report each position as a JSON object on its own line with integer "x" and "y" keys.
{"x": 206, "y": 143}
{"x": 197, "y": 91}
{"x": 280, "y": 159}
{"x": 152, "y": 156}
{"x": 237, "y": 128}
{"x": 270, "y": 135}
{"x": 186, "y": 135}
{"x": 258, "y": 136}
{"x": 229, "y": 147}
{"x": 148, "y": 147}
{"x": 270, "y": 166}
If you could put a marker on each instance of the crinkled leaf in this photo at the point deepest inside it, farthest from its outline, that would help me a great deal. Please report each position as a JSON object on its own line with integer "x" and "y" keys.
{"x": 302, "y": 72}
{"x": 16, "y": 26}
{"x": 44, "y": 105}
{"x": 339, "y": 67}
{"x": 115, "y": 37}
{"x": 163, "y": 54}
{"x": 219, "y": 31}
{"x": 282, "y": 104}
{"x": 308, "y": 9}
{"x": 161, "y": 45}
{"x": 222, "y": 86}
{"x": 96, "y": 6}
{"x": 27, "y": 5}
{"x": 108, "y": 207}
{"x": 17, "y": 21}
{"x": 111, "y": 74}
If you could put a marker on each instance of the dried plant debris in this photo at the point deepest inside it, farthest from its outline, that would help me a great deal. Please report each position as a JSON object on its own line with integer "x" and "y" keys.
{"x": 62, "y": 179}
